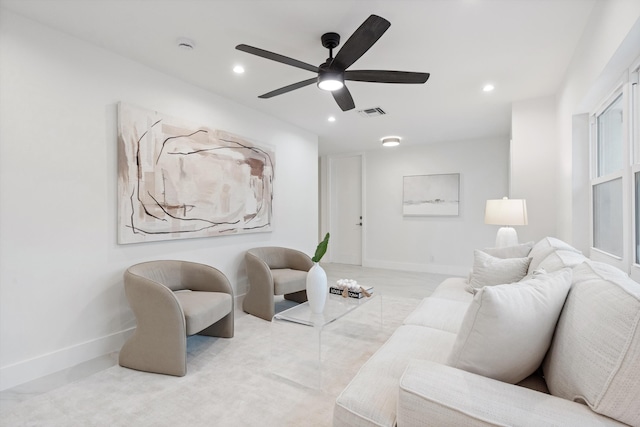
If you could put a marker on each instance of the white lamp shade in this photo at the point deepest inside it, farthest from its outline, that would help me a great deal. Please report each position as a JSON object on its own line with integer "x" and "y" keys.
{"x": 506, "y": 212}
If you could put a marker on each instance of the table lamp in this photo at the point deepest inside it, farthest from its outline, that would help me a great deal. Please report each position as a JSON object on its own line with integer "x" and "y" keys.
{"x": 506, "y": 212}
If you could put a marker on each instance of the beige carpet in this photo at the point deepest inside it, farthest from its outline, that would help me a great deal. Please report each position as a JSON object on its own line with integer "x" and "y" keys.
{"x": 229, "y": 382}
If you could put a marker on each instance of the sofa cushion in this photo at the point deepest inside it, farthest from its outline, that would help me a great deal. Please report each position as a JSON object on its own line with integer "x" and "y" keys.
{"x": 370, "y": 398}
{"x": 286, "y": 280}
{"x": 517, "y": 251}
{"x": 489, "y": 270}
{"x": 203, "y": 309}
{"x": 439, "y": 313}
{"x": 453, "y": 288}
{"x": 432, "y": 394}
{"x": 507, "y": 330}
{"x": 595, "y": 354}
{"x": 543, "y": 248}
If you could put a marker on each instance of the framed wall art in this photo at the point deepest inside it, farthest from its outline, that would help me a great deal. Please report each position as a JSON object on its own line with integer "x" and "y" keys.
{"x": 177, "y": 180}
{"x": 431, "y": 195}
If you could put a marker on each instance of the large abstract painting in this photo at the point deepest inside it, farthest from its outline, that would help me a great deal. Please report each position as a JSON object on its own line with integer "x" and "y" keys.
{"x": 177, "y": 180}
{"x": 431, "y": 195}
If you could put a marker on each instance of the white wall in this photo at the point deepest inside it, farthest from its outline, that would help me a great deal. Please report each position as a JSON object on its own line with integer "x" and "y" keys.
{"x": 534, "y": 161}
{"x": 610, "y": 41}
{"x": 434, "y": 244}
{"x": 61, "y": 290}
{"x": 550, "y": 155}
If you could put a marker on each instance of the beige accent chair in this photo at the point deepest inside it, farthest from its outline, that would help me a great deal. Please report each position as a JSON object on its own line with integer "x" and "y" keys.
{"x": 172, "y": 300}
{"x": 274, "y": 271}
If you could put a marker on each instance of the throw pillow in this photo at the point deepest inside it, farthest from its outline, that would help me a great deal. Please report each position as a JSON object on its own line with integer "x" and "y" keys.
{"x": 560, "y": 259}
{"x": 489, "y": 270}
{"x": 517, "y": 251}
{"x": 546, "y": 246}
{"x": 507, "y": 329}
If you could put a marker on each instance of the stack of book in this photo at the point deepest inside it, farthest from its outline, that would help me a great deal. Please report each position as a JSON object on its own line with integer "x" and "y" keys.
{"x": 351, "y": 289}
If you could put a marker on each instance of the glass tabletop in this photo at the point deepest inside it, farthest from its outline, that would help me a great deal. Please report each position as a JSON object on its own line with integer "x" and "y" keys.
{"x": 335, "y": 308}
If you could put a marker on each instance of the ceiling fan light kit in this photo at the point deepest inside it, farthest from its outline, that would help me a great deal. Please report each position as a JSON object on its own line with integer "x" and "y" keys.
{"x": 330, "y": 81}
{"x": 332, "y": 74}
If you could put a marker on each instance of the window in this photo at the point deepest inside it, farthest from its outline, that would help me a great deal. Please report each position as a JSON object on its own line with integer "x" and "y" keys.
{"x": 607, "y": 217}
{"x": 635, "y": 136}
{"x": 607, "y": 186}
{"x": 610, "y": 133}
{"x": 635, "y": 168}
{"x": 615, "y": 182}
{"x": 637, "y": 219}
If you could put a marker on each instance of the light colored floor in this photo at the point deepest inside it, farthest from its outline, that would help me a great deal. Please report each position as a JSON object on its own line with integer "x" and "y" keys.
{"x": 414, "y": 285}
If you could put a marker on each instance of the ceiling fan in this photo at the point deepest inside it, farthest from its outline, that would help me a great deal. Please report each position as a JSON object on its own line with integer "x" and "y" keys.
{"x": 333, "y": 73}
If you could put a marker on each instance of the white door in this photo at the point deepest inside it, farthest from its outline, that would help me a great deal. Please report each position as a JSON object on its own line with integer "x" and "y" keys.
{"x": 345, "y": 201}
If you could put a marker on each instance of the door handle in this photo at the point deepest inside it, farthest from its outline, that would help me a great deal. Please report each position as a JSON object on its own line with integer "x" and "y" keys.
{"x": 360, "y": 224}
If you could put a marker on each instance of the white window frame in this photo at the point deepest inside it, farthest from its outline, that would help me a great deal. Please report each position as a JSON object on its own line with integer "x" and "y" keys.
{"x": 595, "y": 253}
{"x": 629, "y": 88}
{"x": 634, "y": 156}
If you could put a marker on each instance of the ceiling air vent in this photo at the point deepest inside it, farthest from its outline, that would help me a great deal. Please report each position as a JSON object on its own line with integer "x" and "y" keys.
{"x": 372, "y": 112}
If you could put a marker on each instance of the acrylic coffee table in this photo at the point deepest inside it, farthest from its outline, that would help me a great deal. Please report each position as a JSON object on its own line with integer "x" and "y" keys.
{"x": 301, "y": 340}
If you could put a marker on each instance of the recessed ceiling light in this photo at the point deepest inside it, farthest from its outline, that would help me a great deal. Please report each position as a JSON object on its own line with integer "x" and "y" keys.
{"x": 238, "y": 69}
{"x": 390, "y": 141}
{"x": 185, "y": 44}
{"x": 331, "y": 119}
{"x": 488, "y": 87}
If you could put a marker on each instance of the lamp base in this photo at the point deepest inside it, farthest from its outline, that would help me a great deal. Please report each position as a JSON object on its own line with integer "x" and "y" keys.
{"x": 506, "y": 236}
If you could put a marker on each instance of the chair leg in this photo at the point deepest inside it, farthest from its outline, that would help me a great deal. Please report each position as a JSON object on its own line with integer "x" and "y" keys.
{"x": 299, "y": 297}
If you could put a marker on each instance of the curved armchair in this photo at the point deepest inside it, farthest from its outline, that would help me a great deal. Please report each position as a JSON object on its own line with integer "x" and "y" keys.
{"x": 274, "y": 271}
{"x": 172, "y": 300}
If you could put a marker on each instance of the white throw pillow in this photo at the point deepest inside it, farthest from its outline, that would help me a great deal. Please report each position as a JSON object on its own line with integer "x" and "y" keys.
{"x": 544, "y": 247}
{"x": 507, "y": 329}
{"x": 489, "y": 270}
{"x": 560, "y": 259}
{"x": 517, "y": 251}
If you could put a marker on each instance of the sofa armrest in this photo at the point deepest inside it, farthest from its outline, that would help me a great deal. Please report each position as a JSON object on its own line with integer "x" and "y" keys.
{"x": 433, "y": 394}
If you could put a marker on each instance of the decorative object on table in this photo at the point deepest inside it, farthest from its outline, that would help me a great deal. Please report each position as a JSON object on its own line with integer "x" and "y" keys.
{"x": 350, "y": 288}
{"x": 317, "y": 279}
{"x": 506, "y": 212}
{"x": 178, "y": 180}
{"x": 431, "y": 195}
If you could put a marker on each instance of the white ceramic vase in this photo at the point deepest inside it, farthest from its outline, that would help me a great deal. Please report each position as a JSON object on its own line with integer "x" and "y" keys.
{"x": 317, "y": 288}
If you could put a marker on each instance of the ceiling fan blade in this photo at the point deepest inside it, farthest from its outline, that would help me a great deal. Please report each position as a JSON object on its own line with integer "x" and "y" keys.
{"x": 277, "y": 57}
{"x": 384, "y": 76}
{"x": 360, "y": 41}
{"x": 344, "y": 99}
{"x": 289, "y": 88}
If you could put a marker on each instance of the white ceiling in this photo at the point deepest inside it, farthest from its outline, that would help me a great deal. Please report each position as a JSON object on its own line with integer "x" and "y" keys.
{"x": 523, "y": 47}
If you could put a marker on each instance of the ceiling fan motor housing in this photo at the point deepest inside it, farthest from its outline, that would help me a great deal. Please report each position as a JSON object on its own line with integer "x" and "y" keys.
{"x": 330, "y": 40}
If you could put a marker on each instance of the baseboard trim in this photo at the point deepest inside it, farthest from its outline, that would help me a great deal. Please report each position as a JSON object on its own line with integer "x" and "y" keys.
{"x": 46, "y": 364}
{"x": 448, "y": 270}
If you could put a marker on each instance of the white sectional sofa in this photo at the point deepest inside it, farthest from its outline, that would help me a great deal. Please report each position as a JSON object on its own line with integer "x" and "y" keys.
{"x": 560, "y": 346}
